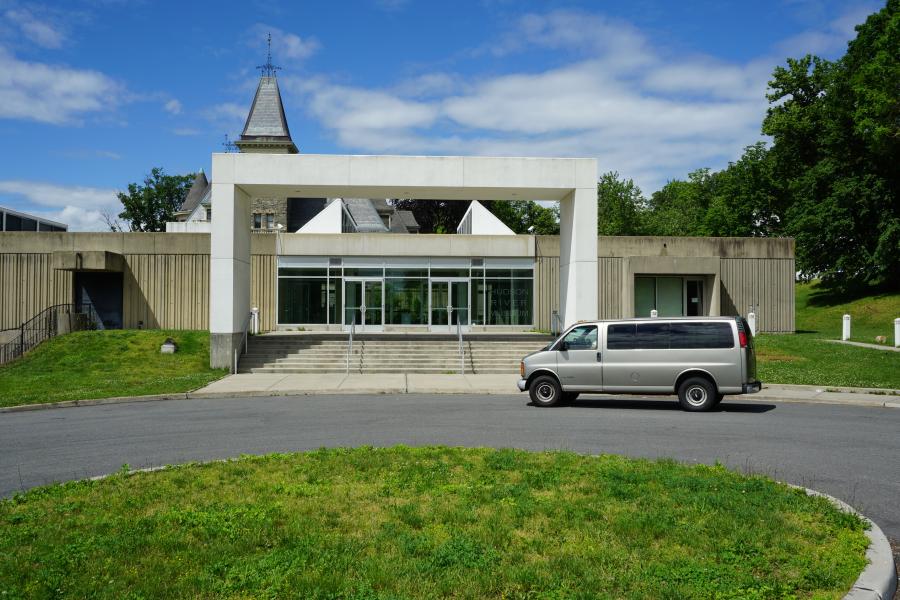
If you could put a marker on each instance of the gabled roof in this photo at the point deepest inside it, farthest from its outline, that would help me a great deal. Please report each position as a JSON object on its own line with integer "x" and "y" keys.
{"x": 266, "y": 120}
{"x": 198, "y": 190}
{"x": 366, "y": 216}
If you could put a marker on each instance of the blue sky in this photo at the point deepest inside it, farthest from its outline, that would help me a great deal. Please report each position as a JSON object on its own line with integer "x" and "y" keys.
{"x": 93, "y": 93}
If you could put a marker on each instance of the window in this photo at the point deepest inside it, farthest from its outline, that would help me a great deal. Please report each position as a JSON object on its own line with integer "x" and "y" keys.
{"x": 270, "y": 221}
{"x": 257, "y": 220}
{"x": 701, "y": 335}
{"x": 620, "y": 337}
{"x": 583, "y": 337}
{"x": 663, "y": 294}
{"x": 302, "y": 300}
{"x": 651, "y": 336}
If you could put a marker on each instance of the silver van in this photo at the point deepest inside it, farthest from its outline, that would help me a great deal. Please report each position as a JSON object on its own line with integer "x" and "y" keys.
{"x": 700, "y": 358}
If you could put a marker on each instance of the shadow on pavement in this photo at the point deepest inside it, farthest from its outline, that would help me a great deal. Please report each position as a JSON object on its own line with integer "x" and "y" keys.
{"x": 641, "y": 404}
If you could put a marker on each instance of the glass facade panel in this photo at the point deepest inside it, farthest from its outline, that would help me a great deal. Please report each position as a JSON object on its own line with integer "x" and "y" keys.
{"x": 362, "y": 272}
{"x": 406, "y": 301}
{"x": 302, "y": 300}
{"x": 670, "y": 296}
{"x": 300, "y": 272}
{"x": 644, "y": 296}
{"x": 406, "y": 273}
{"x": 440, "y": 294}
{"x": 449, "y": 272}
{"x": 507, "y": 301}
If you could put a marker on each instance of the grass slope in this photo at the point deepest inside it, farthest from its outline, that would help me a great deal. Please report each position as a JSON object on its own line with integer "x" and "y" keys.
{"x": 102, "y": 364}
{"x": 428, "y": 523}
{"x": 805, "y": 358}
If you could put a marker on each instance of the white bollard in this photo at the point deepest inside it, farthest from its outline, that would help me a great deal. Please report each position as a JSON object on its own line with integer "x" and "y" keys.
{"x": 845, "y": 333}
{"x": 896, "y": 333}
{"x": 653, "y": 314}
{"x": 254, "y": 318}
{"x": 751, "y": 321}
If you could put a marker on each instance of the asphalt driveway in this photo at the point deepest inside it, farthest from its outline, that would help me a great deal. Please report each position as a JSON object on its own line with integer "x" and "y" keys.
{"x": 850, "y": 452}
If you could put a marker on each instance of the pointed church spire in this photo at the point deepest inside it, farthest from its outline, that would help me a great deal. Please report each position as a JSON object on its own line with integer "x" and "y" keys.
{"x": 266, "y": 129}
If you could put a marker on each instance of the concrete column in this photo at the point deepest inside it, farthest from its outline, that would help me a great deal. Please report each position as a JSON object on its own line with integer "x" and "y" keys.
{"x": 578, "y": 253}
{"x": 229, "y": 277}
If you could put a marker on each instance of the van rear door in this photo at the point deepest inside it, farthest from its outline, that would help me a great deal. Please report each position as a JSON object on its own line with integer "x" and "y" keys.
{"x": 748, "y": 350}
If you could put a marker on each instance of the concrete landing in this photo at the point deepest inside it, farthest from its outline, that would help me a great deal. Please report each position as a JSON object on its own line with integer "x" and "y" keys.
{"x": 865, "y": 345}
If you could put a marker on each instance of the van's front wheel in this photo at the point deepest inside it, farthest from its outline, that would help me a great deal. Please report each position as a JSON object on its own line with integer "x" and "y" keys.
{"x": 697, "y": 394}
{"x": 545, "y": 391}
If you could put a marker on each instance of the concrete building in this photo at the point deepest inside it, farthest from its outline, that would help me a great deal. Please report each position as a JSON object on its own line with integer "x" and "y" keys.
{"x": 312, "y": 243}
{"x": 13, "y": 220}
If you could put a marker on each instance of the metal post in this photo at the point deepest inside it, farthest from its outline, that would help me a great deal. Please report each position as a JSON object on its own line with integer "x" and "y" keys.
{"x": 896, "y": 333}
{"x": 462, "y": 362}
{"x": 654, "y": 314}
{"x": 845, "y": 332}
{"x": 751, "y": 321}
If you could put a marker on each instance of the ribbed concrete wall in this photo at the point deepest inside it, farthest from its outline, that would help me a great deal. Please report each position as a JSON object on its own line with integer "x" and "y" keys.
{"x": 166, "y": 278}
{"x": 28, "y": 285}
{"x": 765, "y": 283}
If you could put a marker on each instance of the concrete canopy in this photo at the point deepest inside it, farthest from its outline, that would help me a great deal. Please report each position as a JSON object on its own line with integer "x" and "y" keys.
{"x": 238, "y": 177}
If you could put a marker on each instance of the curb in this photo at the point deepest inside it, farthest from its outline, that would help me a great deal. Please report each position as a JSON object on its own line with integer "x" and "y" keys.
{"x": 94, "y": 402}
{"x": 878, "y": 581}
{"x": 195, "y": 395}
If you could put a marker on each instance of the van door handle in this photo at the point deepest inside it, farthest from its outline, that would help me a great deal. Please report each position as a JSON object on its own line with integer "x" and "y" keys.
{"x": 598, "y": 357}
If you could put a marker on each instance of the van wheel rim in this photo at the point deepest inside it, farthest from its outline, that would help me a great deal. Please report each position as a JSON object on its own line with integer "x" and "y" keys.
{"x": 696, "y": 396}
{"x": 546, "y": 392}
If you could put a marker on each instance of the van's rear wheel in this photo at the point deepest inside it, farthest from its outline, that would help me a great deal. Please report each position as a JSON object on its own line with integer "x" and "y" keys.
{"x": 697, "y": 394}
{"x": 545, "y": 391}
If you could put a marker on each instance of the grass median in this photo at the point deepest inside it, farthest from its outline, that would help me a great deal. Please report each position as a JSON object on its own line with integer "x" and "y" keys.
{"x": 427, "y": 523}
{"x": 102, "y": 364}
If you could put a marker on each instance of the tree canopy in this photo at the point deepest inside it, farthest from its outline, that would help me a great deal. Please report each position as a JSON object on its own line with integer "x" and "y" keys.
{"x": 149, "y": 206}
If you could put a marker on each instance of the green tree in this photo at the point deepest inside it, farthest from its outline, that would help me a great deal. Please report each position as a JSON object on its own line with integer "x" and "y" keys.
{"x": 149, "y": 206}
{"x": 680, "y": 207}
{"x": 619, "y": 206}
{"x": 836, "y": 132}
{"x": 525, "y": 216}
{"x": 435, "y": 216}
{"x": 746, "y": 200}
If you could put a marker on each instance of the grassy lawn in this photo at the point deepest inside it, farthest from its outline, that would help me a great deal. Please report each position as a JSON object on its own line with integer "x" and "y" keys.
{"x": 101, "y": 364}
{"x": 428, "y": 523}
{"x": 805, "y": 358}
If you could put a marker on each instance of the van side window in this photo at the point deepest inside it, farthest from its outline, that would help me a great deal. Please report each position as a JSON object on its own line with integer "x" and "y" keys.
{"x": 583, "y": 337}
{"x": 652, "y": 336}
{"x": 620, "y": 337}
{"x": 700, "y": 335}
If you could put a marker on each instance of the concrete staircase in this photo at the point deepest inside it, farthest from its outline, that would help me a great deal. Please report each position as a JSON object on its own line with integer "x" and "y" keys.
{"x": 388, "y": 353}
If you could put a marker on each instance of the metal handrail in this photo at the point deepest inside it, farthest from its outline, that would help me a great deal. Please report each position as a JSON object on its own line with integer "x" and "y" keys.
{"x": 243, "y": 350}
{"x": 350, "y": 341}
{"x": 47, "y": 324}
{"x": 462, "y": 361}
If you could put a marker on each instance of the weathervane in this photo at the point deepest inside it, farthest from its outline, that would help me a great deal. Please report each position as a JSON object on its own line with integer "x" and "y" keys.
{"x": 229, "y": 145}
{"x": 269, "y": 69}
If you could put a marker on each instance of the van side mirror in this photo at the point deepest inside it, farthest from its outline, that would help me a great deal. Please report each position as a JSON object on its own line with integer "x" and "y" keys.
{"x": 564, "y": 346}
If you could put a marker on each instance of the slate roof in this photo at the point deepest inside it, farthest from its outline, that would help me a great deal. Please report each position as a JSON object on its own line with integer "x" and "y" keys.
{"x": 266, "y": 120}
{"x": 409, "y": 220}
{"x": 363, "y": 212}
{"x": 198, "y": 190}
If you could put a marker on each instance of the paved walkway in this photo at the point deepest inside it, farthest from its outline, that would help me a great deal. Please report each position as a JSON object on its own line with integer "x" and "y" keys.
{"x": 270, "y": 384}
{"x": 865, "y": 345}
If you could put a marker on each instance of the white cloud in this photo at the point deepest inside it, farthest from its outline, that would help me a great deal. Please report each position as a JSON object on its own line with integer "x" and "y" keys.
{"x": 285, "y": 45}
{"x": 833, "y": 37}
{"x": 173, "y": 106}
{"x": 80, "y": 207}
{"x": 39, "y": 31}
{"x": 52, "y": 93}
{"x": 226, "y": 114}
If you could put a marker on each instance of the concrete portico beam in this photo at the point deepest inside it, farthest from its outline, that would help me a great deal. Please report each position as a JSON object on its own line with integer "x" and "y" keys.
{"x": 236, "y": 177}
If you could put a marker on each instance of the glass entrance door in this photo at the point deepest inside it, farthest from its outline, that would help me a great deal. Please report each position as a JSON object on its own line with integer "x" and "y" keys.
{"x": 364, "y": 304}
{"x": 449, "y": 303}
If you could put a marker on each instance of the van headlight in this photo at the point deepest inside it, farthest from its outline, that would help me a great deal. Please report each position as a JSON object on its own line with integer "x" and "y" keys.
{"x": 522, "y": 369}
